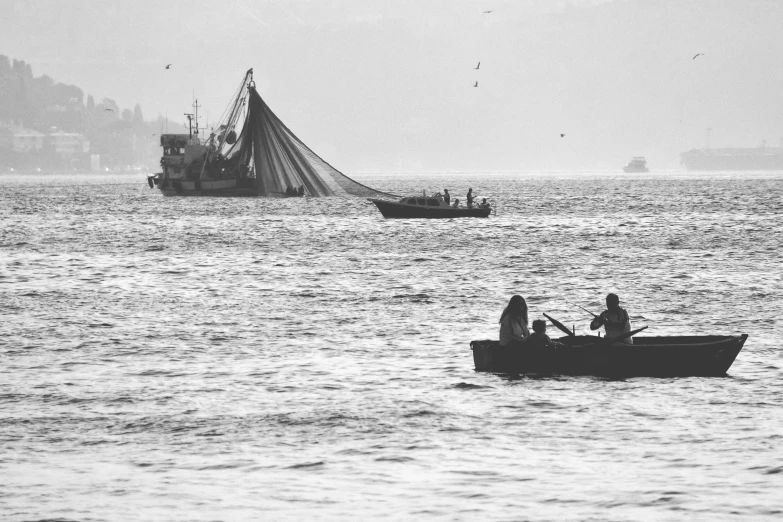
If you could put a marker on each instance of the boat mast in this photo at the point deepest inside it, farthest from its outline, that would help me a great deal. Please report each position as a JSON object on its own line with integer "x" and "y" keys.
{"x": 190, "y": 124}
{"x": 195, "y": 115}
{"x": 193, "y": 118}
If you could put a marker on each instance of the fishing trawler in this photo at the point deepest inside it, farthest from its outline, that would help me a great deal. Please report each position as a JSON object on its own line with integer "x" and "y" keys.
{"x": 250, "y": 153}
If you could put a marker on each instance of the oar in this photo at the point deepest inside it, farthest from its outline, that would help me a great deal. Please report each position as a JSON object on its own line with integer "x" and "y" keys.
{"x": 560, "y": 325}
{"x": 608, "y": 341}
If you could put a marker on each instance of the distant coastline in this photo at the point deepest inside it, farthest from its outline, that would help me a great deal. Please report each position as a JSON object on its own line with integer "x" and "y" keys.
{"x": 52, "y": 127}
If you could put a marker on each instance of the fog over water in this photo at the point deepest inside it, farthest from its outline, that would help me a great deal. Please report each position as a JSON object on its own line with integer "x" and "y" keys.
{"x": 237, "y": 359}
{"x": 386, "y": 86}
{"x": 292, "y": 359}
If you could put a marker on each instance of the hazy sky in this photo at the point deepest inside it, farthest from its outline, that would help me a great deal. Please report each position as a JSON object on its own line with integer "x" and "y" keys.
{"x": 377, "y": 85}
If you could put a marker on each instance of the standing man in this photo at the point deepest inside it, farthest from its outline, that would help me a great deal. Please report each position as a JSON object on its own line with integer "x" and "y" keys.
{"x": 446, "y": 196}
{"x": 470, "y": 198}
{"x": 614, "y": 319}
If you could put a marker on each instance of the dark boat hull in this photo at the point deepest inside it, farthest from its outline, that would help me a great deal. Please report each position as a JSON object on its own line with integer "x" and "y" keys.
{"x": 231, "y": 188}
{"x": 707, "y": 356}
{"x": 390, "y": 209}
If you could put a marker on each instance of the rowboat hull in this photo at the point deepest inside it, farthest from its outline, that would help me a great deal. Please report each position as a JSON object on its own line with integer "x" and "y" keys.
{"x": 705, "y": 356}
{"x": 391, "y": 209}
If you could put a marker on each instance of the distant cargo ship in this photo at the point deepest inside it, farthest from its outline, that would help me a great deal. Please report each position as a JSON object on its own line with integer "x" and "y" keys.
{"x": 759, "y": 158}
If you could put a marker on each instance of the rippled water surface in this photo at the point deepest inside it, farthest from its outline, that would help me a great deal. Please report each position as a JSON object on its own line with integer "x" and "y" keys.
{"x": 254, "y": 359}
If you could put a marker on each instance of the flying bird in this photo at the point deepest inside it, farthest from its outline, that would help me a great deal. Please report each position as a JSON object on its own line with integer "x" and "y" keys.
{"x": 487, "y": 12}
{"x": 697, "y": 55}
{"x": 562, "y": 135}
{"x": 112, "y": 110}
{"x": 475, "y": 84}
{"x": 479, "y": 65}
{"x": 168, "y": 66}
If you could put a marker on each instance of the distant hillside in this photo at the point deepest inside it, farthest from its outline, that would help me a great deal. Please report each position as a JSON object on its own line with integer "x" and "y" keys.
{"x": 41, "y": 104}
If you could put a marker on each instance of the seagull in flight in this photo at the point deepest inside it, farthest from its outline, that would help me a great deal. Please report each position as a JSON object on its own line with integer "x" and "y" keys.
{"x": 475, "y": 85}
{"x": 562, "y": 135}
{"x": 487, "y": 12}
{"x": 479, "y": 65}
{"x": 112, "y": 110}
{"x": 168, "y": 66}
{"x": 697, "y": 55}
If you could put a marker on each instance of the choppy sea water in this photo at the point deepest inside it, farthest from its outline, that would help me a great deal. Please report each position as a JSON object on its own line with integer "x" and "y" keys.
{"x": 255, "y": 359}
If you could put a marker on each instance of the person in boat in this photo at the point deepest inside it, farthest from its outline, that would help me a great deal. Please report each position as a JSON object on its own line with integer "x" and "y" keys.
{"x": 513, "y": 323}
{"x": 289, "y": 190}
{"x": 614, "y": 319}
{"x": 470, "y": 198}
{"x": 484, "y": 204}
{"x": 446, "y": 196}
{"x": 456, "y": 203}
{"x": 539, "y": 338}
{"x": 300, "y": 190}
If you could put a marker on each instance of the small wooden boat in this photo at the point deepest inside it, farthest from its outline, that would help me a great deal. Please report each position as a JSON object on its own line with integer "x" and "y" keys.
{"x": 681, "y": 356}
{"x": 427, "y": 207}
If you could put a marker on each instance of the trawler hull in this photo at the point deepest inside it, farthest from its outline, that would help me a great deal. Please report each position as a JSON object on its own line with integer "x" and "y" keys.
{"x": 230, "y": 188}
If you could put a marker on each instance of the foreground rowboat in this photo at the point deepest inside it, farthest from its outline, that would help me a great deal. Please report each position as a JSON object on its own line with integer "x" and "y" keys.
{"x": 706, "y": 356}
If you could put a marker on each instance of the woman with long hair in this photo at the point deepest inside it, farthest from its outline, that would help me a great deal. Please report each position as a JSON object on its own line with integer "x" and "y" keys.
{"x": 513, "y": 323}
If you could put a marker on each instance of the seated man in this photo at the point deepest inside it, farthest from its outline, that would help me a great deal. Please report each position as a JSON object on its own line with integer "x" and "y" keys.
{"x": 300, "y": 191}
{"x": 484, "y": 204}
{"x": 456, "y": 204}
{"x": 614, "y": 319}
{"x": 289, "y": 189}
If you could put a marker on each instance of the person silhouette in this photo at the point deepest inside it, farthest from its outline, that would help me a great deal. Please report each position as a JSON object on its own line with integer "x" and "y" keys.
{"x": 614, "y": 319}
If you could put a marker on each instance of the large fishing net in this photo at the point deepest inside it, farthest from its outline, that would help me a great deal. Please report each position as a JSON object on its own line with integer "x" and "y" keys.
{"x": 279, "y": 159}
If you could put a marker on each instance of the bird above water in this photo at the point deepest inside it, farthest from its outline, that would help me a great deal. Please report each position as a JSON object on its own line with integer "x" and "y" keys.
{"x": 112, "y": 110}
{"x": 168, "y": 66}
{"x": 697, "y": 55}
{"x": 562, "y": 135}
{"x": 487, "y": 12}
{"x": 479, "y": 65}
{"x": 475, "y": 84}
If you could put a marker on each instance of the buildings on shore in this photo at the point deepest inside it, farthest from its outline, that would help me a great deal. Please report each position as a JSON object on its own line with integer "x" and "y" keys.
{"x": 734, "y": 158}
{"x": 27, "y": 149}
